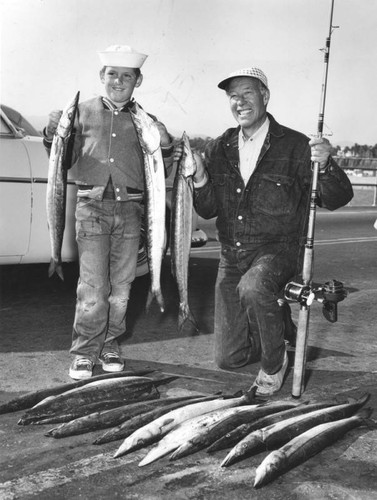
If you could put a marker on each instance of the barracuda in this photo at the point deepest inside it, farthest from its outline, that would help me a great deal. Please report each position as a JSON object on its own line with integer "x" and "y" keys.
{"x": 181, "y": 229}
{"x": 280, "y": 433}
{"x": 154, "y": 171}
{"x": 57, "y": 186}
{"x": 306, "y": 445}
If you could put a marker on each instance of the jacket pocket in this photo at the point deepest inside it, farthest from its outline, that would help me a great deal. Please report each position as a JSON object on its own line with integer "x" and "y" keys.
{"x": 276, "y": 195}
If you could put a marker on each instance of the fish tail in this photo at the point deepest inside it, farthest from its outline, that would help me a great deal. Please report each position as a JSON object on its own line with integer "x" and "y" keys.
{"x": 56, "y": 267}
{"x": 184, "y": 315}
{"x": 364, "y": 414}
{"x": 160, "y": 301}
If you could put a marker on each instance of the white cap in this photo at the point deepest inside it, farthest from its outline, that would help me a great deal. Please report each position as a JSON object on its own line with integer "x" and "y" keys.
{"x": 122, "y": 55}
{"x": 251, "y": 72}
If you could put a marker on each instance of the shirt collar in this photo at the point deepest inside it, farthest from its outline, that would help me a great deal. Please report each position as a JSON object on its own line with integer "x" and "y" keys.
{"x": 262, "y": 131}
{"x": 108, "y": 104}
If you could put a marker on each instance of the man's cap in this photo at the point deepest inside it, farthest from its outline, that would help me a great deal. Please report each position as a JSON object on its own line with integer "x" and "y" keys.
{"x": 122, "y": 55}
{"x": 251, "y": 72}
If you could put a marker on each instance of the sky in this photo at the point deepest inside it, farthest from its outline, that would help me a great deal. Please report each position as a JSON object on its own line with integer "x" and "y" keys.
{"x": 49, "y": 52}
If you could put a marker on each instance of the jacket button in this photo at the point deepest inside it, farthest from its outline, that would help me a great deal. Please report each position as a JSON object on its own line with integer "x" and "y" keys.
{"x": 238, "y": 190}
{"x": 240, "y": 217}
{"x": 238, "y": 244}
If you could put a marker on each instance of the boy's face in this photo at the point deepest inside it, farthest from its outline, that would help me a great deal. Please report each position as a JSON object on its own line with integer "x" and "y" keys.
{"x": 120, "y": 82}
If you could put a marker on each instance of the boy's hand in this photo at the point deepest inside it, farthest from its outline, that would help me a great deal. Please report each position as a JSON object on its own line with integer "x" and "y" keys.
{"x": 53, "y": 120}
{"x": 164, "y": 134}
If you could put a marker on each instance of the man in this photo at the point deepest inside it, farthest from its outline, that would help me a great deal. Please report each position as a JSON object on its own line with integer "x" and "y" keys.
{"x": 110, "y": 179}
{"x": 256, "y": 180}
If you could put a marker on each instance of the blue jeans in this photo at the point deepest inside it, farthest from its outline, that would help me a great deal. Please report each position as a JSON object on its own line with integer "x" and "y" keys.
{"x": 249, "y": 322}
{"x": 107, "y": 234}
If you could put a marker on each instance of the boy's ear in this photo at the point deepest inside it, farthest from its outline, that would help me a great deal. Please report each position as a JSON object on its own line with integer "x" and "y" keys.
{"x": 139, "y": 80}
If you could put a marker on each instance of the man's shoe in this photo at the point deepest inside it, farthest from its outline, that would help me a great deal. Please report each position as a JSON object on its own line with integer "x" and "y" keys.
{"x": 111, "y": 362}
{"x": 81, "y": 368}
{"x": 269, "y": 384}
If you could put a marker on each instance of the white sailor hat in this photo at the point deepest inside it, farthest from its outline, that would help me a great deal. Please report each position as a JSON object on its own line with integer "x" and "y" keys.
{"x": 122, "y": 55}
{"x": 251, "y": 72}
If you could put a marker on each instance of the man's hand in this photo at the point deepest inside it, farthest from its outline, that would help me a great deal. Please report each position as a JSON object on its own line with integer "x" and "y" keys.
{"x": 179, "y": 151}
{"x": 321, "y": 150}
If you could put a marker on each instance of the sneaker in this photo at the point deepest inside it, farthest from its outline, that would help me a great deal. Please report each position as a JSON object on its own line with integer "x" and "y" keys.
{"x": 111, "y": 362}
{"x": 81, "y": 368}
{"x": 269, "y": 384}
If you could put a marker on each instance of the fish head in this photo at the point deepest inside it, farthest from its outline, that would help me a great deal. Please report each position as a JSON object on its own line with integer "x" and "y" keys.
{"x": 269, "y": 468}
{"x": 188, "y": 164}
{"x": 147, "y": 130}
{"x": 68, "y": 117}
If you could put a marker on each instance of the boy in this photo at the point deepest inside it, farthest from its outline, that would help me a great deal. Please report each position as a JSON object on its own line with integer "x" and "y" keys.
{"x": 110, "y": 180}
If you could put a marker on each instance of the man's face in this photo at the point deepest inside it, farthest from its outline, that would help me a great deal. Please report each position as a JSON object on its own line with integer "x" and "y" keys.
{"x": 247, "y": 103}
{"x": 120, "y": 82}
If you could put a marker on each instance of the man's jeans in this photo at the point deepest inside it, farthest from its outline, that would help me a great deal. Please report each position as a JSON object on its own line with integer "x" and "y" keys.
{"x": 107, "y": 234}
{"x": 248, "y": 319}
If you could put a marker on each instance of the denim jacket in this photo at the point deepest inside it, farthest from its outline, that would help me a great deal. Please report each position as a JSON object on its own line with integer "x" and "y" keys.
{"x": 273, "y": 206}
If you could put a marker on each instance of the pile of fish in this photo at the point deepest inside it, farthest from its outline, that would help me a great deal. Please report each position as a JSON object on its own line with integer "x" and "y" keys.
{"x": 130, "y": 408}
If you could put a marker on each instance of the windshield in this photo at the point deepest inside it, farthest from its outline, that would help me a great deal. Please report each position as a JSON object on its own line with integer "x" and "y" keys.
{"x": 19, "y": 121}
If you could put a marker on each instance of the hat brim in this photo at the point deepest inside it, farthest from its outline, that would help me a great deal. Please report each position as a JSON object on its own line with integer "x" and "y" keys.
{"x": 122, "y": 59}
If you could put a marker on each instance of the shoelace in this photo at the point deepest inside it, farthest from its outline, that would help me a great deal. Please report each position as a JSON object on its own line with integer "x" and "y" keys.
{"x": 111, "y": 355}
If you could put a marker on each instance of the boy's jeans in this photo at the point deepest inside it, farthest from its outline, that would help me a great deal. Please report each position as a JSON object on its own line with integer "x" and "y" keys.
{"x": 107, "y": 234}
{"x": 248, "y": 319}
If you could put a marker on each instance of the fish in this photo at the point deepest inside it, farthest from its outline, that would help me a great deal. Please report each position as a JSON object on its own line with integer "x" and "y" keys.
{"x": 305, "y": 446}
{"x": 32, "y": 398}
{"x": 124, "y": 388}
{"x": 234, "y": 436}
{"x": 104, "y": 419}
{"x": 156, "y": 429}
{"x": 77, "y": 412}
{"x": 185, "y": 431}
{"x": 181, "y": 230}
{"x": 210, "y": 434}
{"x": 154, "y": 175}
{"x": 56, "y": 193}
{"x": 279, "y": 433}
{"x": 125, "y": 429}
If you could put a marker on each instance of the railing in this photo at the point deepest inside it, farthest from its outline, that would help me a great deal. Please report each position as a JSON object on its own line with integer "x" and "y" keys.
{"x": 362, "y": 172}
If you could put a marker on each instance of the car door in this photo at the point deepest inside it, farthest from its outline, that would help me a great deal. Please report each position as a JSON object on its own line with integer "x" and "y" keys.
{"x": 15, "y": 194}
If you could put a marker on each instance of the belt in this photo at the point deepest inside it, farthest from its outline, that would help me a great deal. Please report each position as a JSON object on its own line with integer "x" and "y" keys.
{"x": 109, "y": 193}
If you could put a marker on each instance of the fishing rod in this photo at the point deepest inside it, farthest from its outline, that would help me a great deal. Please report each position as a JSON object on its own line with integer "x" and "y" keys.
{"x": 332, "y": 291}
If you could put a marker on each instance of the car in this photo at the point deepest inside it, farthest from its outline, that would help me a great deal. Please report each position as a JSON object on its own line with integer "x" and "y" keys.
{"x": 23, "y": 182}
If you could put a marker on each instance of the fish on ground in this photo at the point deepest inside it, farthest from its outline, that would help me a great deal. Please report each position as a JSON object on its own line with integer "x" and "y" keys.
{"x": 78, "y": 412}
{"x": 185, "y": 431}
{"x": 234, "y": 436}
{"x": 125, "y": 429}
{"x": 57, "y": 186}
{"x": 212, "y": 433}
{"x": 154, "y": 175}
{"x": 108, "y": 389}
{"x": 181, "y": 229}
{"x": 104, "y": 419}
{"x": 306, "y": 445}
{"x": 277, "y": 434}
{"x": 32, "y": 398}
{"x": 156, "y": 429}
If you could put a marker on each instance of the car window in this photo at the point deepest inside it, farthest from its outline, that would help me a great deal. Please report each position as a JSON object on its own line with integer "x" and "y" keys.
{"x": 5, "y": 130}
{"x": 19, "y": 121}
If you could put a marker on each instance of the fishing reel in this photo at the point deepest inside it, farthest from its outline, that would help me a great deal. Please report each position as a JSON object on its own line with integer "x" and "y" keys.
{"x": 328, "y": 295}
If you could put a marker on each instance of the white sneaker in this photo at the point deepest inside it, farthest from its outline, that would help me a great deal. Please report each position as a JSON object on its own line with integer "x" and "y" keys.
{"x": 81, "y": 368}
{"x": 269, "y": 384}
{"x": 111, "y": 362}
